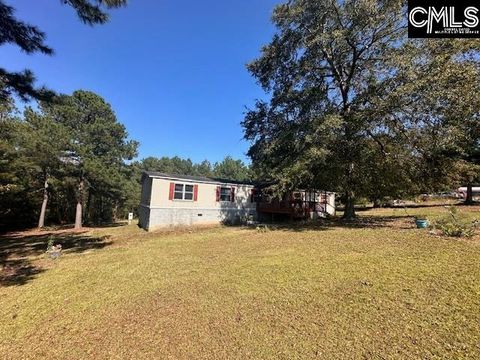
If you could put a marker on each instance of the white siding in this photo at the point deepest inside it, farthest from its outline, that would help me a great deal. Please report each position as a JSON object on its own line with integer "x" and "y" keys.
{"x": 164, "y": 212}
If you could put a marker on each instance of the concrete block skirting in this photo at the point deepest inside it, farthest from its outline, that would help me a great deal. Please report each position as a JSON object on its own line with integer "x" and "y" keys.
{"x": 154, "y": 218}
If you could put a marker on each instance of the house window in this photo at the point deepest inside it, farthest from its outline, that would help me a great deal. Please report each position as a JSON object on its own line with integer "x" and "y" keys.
{"x": 225, "y": 194}
{"x": 183, "y": 192}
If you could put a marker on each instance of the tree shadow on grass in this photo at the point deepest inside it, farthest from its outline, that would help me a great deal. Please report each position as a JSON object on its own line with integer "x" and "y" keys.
{"x": 20, "y": 252}
{"x": 360, "y": 209}
{"x": 393, "y": 221}
{"x": 362, "y": 222}
{"x": 17, "y": 272}
{"x": 110, "y": 225}
{"x": 67, "y": 227}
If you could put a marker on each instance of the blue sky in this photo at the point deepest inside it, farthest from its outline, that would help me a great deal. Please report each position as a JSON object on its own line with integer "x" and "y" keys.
{"x": 173, "y": 70}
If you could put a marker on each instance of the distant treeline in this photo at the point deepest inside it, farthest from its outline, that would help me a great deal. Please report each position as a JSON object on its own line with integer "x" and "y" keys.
{"x": 69, "y": 160}
{"x": 229, "y": 168}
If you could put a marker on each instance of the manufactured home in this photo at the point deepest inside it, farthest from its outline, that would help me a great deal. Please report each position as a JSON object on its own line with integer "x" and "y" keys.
{"x": 170, "y": 200}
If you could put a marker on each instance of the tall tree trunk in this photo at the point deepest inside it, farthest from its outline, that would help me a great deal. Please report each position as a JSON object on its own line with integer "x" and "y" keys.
{"x": 349, "y": 213}
{"x": 115, "y": 212}
{"x": 78, "y": 215}
{"x": 88, "y": 208}
{"x": 469, "y": 198}
{"x": 41, "y": 219}
{"x": 78, "y": 212}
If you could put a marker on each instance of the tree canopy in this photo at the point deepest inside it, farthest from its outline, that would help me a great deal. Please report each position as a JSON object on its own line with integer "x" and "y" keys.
{"x": 351, "y": 99}
{"x": 232, "y": 169}
{"x": 71, "y": 155}
{"x": 228, "y": 168}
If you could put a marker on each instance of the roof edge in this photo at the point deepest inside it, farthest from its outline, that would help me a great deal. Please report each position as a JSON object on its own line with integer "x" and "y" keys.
{"x": 203, "y": 179}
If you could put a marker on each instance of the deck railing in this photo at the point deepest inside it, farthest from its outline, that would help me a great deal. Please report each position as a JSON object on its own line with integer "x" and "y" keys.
{"x": 293, "y": 208}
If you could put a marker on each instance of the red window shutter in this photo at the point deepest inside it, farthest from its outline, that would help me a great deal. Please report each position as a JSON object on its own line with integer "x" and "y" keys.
{"x": 252, "y": 195}
{"x": 232, "y": 195}
{"x": 218, "y": 193}
{"x": 172, "y": 190}
{"x": 195, "y": 192}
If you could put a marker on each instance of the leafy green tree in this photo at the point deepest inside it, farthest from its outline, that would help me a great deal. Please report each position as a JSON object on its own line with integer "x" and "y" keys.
{"x": 130, "y": 189}
{"x": 17, "y": 181}
{"x": 32, "y": 40}
{"x": 68, "y": 157}
{"x": 93, "y": 12}
{"x": 323, "y": 69}
{"x": 96, "y": 153}
{"x": 356, "y": 108}
{"x": 227, "y": 169}
{"x": 43, "y": 143}
{"x": 174, "y": 165}
{"x": 231, "y": 169}
{"x": 391, "y": 172}
{"x": 438, "y": 109}
{"x": 203, "y": 169}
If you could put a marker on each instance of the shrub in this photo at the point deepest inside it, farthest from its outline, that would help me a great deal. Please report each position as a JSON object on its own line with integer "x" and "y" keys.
{"x": 452, "y": 225}
{"x": 50, "y": 243}
{"x": 53, "y": 250}
{"x": 363, "y": 202}
{"x": 262, "y": 228}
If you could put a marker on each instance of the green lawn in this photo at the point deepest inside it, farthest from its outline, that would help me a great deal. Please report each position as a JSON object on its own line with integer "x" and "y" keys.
{"x": 379, "y": 289}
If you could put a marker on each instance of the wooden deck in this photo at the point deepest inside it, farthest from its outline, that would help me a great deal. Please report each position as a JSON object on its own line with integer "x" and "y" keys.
{"x": 295, "y": 209}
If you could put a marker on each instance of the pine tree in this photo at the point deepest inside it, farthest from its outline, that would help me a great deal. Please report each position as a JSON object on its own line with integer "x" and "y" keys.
{"x": 231, "y": 169}
{"x": 44, "y": 142}
{"x": 17, "y": 180}
{"x": 31, "y": 40}
{"x": 96, "y": 155}
{"x": 203, "y": 169}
